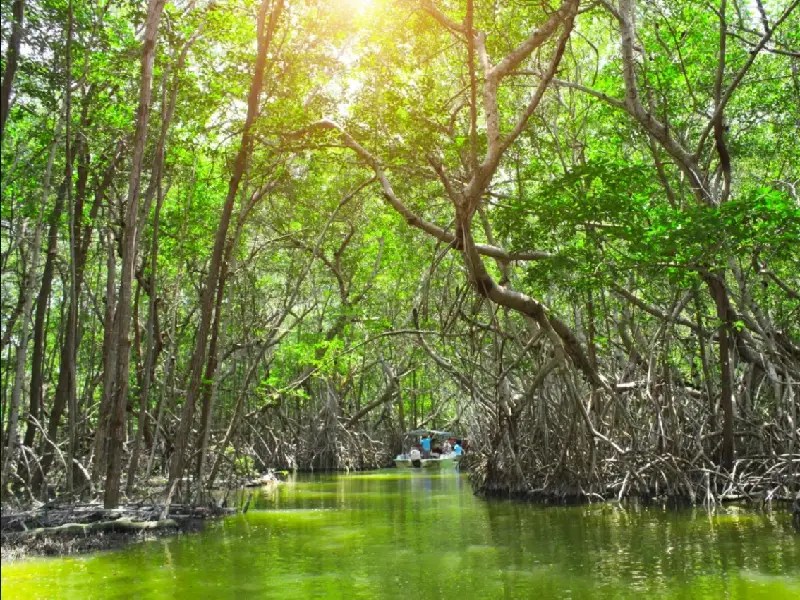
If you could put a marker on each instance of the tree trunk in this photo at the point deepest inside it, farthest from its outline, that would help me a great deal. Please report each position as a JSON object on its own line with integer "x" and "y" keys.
{"x": 129, "y": 237}
{"x": 150, "y": 336}
{"x": 34, "y": 401}
{"x": 70, "y": 345}
{"x": 720, "y": 296}
{"x": 12, "y": 56}
{"x": 22, "y": 351}
{"x": 198, "y": 361}
{"x": 208, "y": 389}
{"x": 155, "y": 189}
{"x": 109, "y": 361}
{"x": 65, "y": 396}
{"x": 39, "y": 334}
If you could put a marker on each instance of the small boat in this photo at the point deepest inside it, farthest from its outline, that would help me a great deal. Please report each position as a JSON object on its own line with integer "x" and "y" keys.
{"x": 441, "y": 461}
{"x": 447, "y": 460}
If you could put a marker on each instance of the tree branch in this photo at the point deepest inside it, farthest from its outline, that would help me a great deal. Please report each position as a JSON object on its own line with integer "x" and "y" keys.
{"x": 725, "y": 98}
{"x": 412, "y": 218}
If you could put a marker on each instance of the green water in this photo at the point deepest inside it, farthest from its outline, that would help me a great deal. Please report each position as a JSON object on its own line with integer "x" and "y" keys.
{"x": 416, "y": 535}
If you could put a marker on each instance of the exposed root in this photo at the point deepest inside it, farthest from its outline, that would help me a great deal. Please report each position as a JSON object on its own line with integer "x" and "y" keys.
{"x": 60, "y": 530}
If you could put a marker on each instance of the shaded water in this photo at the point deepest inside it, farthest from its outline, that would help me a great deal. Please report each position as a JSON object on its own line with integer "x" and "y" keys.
{"x": 395, "y": 534}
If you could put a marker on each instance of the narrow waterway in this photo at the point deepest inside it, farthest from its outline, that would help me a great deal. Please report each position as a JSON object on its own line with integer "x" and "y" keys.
{"x": 395, "y": 534}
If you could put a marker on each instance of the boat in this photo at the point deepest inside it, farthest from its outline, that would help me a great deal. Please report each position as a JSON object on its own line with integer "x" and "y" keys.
{"x": 441, "y": 461}
{"x": 436, "y": 460}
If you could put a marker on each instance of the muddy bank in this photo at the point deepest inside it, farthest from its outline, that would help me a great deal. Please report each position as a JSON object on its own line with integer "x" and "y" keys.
{"x": 75, "y": 529}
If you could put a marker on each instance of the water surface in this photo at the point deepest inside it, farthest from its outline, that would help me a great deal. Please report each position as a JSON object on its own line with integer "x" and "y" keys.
{"x": 395, "y": 534}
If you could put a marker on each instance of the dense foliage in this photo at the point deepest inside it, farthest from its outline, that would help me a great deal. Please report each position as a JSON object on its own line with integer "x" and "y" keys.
{"x": 243, "y": 235}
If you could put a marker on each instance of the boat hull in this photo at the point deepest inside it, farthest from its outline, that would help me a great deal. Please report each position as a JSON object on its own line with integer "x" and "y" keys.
{"x": 445, "y": 462}
{"x": 449, "y": 461}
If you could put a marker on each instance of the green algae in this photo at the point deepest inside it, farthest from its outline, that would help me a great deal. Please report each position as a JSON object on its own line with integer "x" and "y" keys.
{"x": 395, "y": 534}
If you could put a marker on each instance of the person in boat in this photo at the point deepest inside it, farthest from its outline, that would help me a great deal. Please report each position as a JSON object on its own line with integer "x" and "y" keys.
{"x": 425, "y": 442}
{"x": 447, "y": 447}
{"x": 458, "y": 449}
{"x": 415, "y": 457}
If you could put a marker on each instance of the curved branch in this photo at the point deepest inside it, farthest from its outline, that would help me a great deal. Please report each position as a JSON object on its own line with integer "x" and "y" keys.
{"x": 685, "y": 161}
{"x": 559, "y": 332}
{"x": 411, "y": 217}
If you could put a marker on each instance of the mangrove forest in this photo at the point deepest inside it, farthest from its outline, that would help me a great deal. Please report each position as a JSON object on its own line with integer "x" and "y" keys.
{"x": 252, "y": 236}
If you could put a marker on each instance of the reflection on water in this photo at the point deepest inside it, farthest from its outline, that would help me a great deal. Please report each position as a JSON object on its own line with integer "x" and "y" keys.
{"x": 395, "y": 534}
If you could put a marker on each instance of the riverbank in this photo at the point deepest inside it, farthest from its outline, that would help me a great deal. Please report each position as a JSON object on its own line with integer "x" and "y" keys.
{"x": 62, "y": 529}
{"x": 59, "y": 530}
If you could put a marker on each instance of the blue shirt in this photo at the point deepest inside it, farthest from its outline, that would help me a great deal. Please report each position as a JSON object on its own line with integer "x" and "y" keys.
{"x": 426, "y": 444}
{"x": 458, "y": 450}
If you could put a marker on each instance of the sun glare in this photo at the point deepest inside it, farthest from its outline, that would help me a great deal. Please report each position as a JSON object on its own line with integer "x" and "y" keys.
{"x": 357, "y": 5}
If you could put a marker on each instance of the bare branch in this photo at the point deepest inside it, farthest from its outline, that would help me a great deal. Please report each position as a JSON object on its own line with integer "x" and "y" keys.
{"x": 615, "y": 102}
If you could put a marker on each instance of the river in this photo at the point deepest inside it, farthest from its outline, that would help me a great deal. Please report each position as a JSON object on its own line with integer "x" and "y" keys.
{"x": 415, "y": 535}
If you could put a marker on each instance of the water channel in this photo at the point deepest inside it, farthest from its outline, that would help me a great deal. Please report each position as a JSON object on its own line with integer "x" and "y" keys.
{"x": 394, "y": 534}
